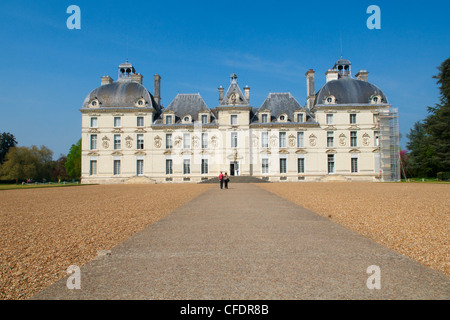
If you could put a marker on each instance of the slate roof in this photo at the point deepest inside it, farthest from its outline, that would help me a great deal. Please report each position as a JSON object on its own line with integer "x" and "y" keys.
{"x": 188, "y": 104}
{"x": 279, "y": 103}
{"x": 349, "y": 91}
{"x": 119, "y": 94}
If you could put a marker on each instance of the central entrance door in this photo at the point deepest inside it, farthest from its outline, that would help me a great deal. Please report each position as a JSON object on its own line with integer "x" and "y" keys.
{"x": 234, "y": 168}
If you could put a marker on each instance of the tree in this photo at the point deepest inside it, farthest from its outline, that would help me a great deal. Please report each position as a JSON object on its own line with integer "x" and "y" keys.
{"x": 59, "y": 169}
{"x": 422, "y": 162}
{"x": 27, "y": 163}
{"x": 7, "y": 141}
{"x": 437, "y": 123}
{"x": 73, "y": 163}
{"x": 429, "y": 140}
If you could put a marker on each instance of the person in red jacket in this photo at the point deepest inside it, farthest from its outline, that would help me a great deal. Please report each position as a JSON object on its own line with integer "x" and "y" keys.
{"x": 221, "y": 180}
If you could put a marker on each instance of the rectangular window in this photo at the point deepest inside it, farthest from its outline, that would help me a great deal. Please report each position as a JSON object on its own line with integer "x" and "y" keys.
{"x": 186, "y": 166}
{"x": 329, "y": 119}
{"x": 140, "y": 141}
{"x": 354, "y": 165}
{"x": 169, "y": 120}
{"x": 264, "y": 118}
{"x": 353, "y": 139}
{"x": 186, "y": 141}
{"x": 352, "y": 118}
{"x": 282, "y": 139}
{"x": 168, "y": 141}
{"x": 234, "y": 119}
{"x": 204, "y": 166}
{"x": 139, "y": 167}
{"x": 117, "y": 122}
{"x": 117, "y": 141}
{"x": 300, "y": 117}
{"x": 204, "y": 118}
{"x": 331, "y": 163}
{"x": 93, "y": 141}
{"x": 300, "y": 139}
{"x": 116, "y": 167}
{"x": 234, "y": 139}
{"x": 330, "y": 139}
{"x": 283, "y": 165}
{"x": 140, "y": 121}
{"x": 265, "y": 166}
{"x": 169, "y": 166}
{"x": 94, "y": 122}
{"x": 301, "y": 165}
{"x": 204, "y": 140}
{"x": 93, "y": 167}
{"x": 376, "y": 135}
{"x": 265, "y": 139}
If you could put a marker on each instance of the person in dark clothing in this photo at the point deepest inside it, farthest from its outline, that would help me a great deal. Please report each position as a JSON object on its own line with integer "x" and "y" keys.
{"x": 226, "y": 179}
{"x": 221, "y": 180}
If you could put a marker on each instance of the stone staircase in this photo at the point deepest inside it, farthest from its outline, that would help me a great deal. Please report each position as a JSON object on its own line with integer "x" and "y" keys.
{"x": 237, "y": 179}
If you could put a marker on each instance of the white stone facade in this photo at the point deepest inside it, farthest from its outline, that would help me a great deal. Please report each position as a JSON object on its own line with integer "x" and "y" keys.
{"x": 132, "y": 139}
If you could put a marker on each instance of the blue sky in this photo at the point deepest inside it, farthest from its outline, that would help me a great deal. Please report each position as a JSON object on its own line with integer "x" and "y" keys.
{"x": 48, "y": 70}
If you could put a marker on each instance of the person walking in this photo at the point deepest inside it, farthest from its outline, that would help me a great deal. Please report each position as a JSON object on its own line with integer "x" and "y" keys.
{"x": 221, "y": 180}
{"x": 226, "y": 179}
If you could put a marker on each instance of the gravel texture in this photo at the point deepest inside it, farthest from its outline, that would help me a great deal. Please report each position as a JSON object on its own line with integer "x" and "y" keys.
{"x": 44, "y": 231}
{"x": 413, "y": 218}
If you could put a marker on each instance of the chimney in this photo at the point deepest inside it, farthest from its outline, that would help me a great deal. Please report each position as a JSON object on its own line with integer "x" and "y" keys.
{"x": 247, "y": 93}
{"x": 310, "y": 91}
{"x": 332, "y": 75}
{"x": 137, "y": 77}
{"x": 157, "y": 95}
{"x": 362, "y": 75}
{"x": 220, "y": 94}
{"x": 106, "y": 80}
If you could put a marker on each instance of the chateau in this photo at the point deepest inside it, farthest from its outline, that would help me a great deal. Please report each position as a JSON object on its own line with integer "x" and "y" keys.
{"x": 345, "y": 131}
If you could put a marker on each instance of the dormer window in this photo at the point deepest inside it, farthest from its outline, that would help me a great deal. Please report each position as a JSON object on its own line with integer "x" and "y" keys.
{"x": 94, "y": 103}
{"x": 264, "y": 118}
{"x": 187, "y": 119}
{"x": 204, "y": 118}
{"x": 141, "y": 103}
{"x": 283, "y": 118}
{"x": 375, "y": 99}
{"x": 169, "y": 120}
{"x": 330, "y": 100}
{"x": 300, "y": 117}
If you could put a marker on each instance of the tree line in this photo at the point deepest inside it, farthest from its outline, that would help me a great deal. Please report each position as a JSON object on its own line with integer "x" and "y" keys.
{"x": 36, "y": 164}
{"x": 429, "y": 139}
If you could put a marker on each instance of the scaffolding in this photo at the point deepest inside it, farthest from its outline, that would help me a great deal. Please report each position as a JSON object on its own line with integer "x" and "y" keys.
{"x": 389, "y": 145}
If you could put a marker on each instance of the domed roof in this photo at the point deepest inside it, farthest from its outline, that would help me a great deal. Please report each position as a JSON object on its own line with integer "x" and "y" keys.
{"x": 349, "y": 91}
{"x": 120, "y": 94}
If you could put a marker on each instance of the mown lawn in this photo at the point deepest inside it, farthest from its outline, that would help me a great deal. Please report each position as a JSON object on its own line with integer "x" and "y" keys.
{"x": 38, "y": 185}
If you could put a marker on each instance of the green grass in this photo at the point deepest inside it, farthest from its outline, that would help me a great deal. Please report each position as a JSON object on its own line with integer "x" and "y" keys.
{"x": 423, "y": 180}
{"x": 39, "y": 185}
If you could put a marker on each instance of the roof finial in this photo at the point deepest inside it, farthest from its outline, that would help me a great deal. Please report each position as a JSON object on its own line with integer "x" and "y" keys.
{"x": 341, "y": 42}
{"x": 127, "y": 48}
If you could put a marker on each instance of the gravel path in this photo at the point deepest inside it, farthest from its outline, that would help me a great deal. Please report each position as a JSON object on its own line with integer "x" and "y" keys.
{"x": 44, "y": 231}
{"x": 413, "y": 218}
{"x": 247, "y": 243}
